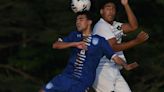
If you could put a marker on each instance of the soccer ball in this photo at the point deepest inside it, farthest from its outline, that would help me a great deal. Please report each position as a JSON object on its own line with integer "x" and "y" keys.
{"x": 80, "y": 5}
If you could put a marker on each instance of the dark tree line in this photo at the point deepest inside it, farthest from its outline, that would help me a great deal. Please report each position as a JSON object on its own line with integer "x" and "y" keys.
{"x": 29, "y": 27}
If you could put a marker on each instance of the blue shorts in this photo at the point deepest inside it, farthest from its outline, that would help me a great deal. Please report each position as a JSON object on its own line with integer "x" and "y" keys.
{"x": 63, "y": 83}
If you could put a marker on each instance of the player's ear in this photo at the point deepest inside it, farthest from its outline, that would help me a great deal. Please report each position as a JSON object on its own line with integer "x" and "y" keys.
{"x": 101, "y": 11}
{"x": 90, "y": 22}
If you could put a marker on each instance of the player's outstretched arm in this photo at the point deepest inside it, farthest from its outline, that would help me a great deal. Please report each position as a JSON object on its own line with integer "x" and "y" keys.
{"x": 131, "y": 66}
{"x": 63, "y": 45}
{"x": 141, "y": 37}
{"x": 132, "y": 24}
{"x": 121, "y": 62}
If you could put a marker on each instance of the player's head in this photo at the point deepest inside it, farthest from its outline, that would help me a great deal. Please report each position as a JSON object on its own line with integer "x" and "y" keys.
{"x": 108, "y": 10}
{"x": 83, "y": 21}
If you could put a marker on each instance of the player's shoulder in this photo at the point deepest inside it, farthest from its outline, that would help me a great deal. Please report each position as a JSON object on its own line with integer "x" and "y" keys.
{"x": 117, "y": 23}
{"x": 75, "y": 33}
{"x": 98, "y": 37}
{"x": 101, "y": 23}
{"x": 97, "y": 40}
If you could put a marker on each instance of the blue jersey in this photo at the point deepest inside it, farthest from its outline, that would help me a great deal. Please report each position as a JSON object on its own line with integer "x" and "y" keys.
{"x": 83, "y": 63}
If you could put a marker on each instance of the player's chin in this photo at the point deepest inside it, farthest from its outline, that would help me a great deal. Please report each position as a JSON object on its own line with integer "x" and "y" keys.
{"x": 79, "y": 29}
{"x": 110, "y": 19}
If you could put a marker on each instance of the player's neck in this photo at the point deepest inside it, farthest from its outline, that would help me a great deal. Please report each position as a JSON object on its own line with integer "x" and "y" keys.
{"x": 87, "y": 32}
{"x": 111, "y": 22}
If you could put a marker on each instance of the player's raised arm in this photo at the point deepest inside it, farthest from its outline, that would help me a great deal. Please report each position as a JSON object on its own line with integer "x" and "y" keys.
{"x": 132, "y": 24}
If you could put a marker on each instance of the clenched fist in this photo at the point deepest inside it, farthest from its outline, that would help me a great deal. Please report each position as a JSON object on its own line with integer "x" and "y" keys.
{"x": 141, "y": 37}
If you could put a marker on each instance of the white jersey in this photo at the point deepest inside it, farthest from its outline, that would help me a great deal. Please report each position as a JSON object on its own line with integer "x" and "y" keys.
{"x": 109, "y": 31}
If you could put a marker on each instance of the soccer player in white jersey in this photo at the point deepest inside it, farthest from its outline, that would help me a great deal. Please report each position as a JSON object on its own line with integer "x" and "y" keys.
{"x": 108, "y": 77}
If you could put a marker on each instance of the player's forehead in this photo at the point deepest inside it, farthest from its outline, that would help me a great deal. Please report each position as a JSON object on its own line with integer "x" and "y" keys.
{"x": 82, "y": 16}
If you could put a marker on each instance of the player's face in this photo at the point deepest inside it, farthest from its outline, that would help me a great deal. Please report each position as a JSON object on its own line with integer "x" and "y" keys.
{"x": 82, "y": 23}
{"x": 108, "y": 12}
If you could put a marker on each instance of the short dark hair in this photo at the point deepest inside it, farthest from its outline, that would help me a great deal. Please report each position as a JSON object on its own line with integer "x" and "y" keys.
{"x": 87, "y": 13}
{"x": 104, "y": 2}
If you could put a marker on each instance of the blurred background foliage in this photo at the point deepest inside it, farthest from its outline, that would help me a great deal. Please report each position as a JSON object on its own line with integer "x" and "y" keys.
{"x": 29, "y": 27}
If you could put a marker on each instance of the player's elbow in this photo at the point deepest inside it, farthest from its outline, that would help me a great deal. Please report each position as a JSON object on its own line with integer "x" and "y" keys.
{"x": 116, "y": 48}
{"x": 134, "y": 27}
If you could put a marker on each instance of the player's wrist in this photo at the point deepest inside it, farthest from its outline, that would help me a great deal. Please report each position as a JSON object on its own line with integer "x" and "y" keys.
{"x": 124, "y": 65}
{"x": 73, "y": 44}
{"x": 126, "y": 6}
{"x": 136, "y": 41}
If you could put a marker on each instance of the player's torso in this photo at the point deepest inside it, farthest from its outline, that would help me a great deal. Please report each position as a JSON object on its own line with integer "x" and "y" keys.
{"x": 83, "y": 63}
{"x": 118, "y": 33}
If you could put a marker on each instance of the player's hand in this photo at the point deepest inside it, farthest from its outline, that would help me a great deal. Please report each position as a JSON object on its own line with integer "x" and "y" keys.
{"x": 124, "y": 2}
{"x": 80, "y": 45}
{"x": 41, "y": 90}
{"x": 131, "y": 66}
{"x": 141, "y": 37}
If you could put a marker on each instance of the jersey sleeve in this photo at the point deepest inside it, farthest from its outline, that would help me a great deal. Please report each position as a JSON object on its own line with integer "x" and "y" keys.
{"x": 107, "y": 50}
{"x": 69, "y": 38}
{"x": 118, "y": 26}
{"x": 103, "y": 30}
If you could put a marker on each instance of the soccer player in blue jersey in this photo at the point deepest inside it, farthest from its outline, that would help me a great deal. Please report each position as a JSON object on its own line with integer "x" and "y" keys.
{"x": 87, "y": 50}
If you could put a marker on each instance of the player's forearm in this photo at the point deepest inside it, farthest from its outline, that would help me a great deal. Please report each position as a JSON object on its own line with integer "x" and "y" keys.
{"x": 119, "y": 61}
{"x": 124, "y": 45}
{"x": 62, "y": 45}
{"x": 131, "y": 18}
